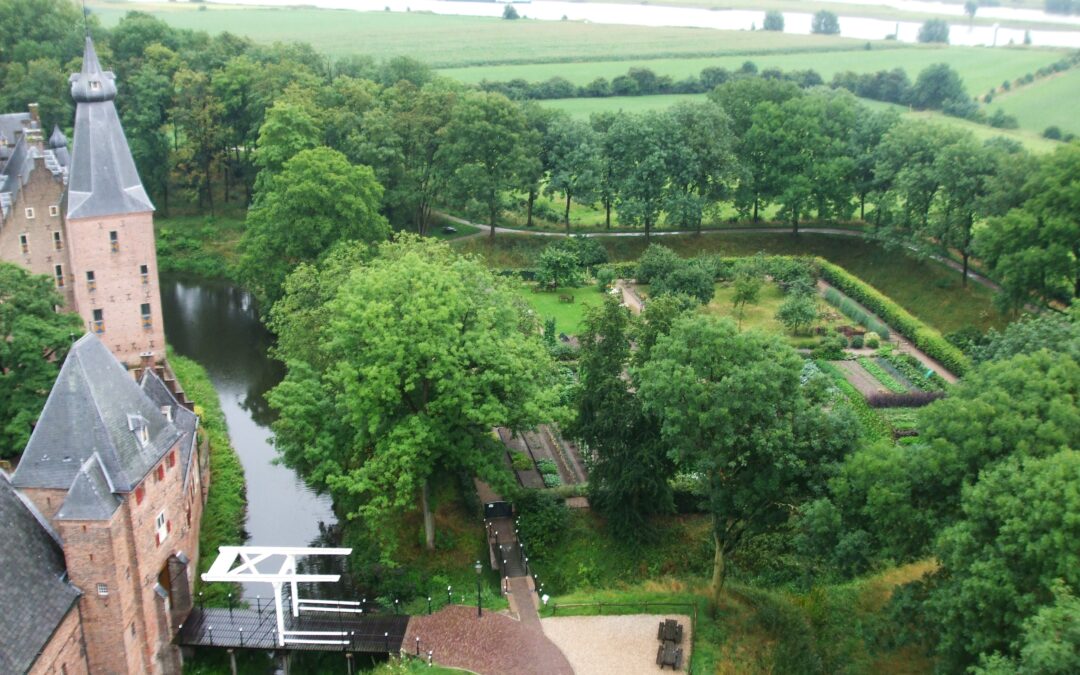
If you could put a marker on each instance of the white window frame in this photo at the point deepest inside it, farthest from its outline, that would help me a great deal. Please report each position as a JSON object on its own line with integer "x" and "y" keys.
{"x": 29, "y": 213}
{"x": 103, "y": 590}
{"x": 54, "y": 210}
{"x": 161, "y": 526}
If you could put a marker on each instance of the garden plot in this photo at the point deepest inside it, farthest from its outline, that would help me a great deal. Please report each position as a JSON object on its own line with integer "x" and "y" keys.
{"x": 542, "y": 458}
{"x": 860, "y": 378}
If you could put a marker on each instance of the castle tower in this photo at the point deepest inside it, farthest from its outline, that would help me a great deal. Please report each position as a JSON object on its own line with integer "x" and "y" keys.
{"x": 110, "y": 225}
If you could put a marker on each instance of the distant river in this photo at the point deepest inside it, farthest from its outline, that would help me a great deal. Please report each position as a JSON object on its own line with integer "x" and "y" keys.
{"x": 737, "y": 19}
{"x": 216, "y": 324}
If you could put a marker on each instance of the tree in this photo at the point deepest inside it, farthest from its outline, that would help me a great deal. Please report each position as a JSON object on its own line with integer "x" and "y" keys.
{"x": 1000, "y": 560}
{"x": 34, "y": 339}
{"x": 427, "y": 352}
{"x": 965, "y": 170}
{"x": 575, "y": 163}
{"x": 510, "y": 12}
{"x": 797, "y": 312}
{"x": 934, "y": 31}
{"x": 731, "y": 408}
{"x": 628, "y": 479}
{"x": 657, "y": 261}
{"x": 638, "y": 146}
{"x": 970, "y": 8}
{"x": 318, "y": 199}
{"x": 43, "y": 81}
{"x": 1049, "y": 330}
{"x": 825, "y": 23}
{"x": 1055, "y": 197}
{"x": 936, "y": 86}
{"x": 483, "y": 150}
{"x": 288, "y": 129}
{"x": 701, "y": 162}
{"x": 747, "y": 289}
{"x": 557, "y": 266}
{"x": 197, "y": 115}
{"x": 774, "y": 20}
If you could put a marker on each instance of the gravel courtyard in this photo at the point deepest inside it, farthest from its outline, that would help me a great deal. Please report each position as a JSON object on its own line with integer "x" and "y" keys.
{"x": 602, "y": 645}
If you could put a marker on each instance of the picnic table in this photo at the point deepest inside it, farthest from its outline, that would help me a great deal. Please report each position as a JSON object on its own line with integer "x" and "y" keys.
{"x": 669, "y": 655}
{"x": 670, "y": 630}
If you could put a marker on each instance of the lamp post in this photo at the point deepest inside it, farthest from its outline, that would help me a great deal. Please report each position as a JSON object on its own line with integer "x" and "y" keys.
{"x": 449, "y": 596}
{"x": 479, "y": 569}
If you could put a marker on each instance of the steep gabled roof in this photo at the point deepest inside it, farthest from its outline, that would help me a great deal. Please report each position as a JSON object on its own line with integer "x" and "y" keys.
{"x": 34, "y": 592}
{"x": 182, "y": 418}
{"x": 95, "y": 406}
{"x": 103, "y": 180}
{"x": 90, "y": 496}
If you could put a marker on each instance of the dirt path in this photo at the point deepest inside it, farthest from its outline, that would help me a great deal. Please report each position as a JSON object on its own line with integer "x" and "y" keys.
{"x": 866, "y": 383}
{"x": 603, "y": 645}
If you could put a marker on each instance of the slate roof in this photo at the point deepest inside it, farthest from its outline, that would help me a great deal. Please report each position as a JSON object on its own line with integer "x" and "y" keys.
{"x": 90, "y": 496}
{"x": 183, "y": 419}
{"x": 95, "y": 406}
{"x": 103, "y": 179}
{"x": 18, "y": 157}
{"x": 34, "y": 592}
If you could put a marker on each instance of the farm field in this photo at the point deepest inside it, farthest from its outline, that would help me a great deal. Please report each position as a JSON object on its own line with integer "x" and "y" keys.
{"x": 446, "y": 41}
{"x": 1051, "y": 101}
{"x": 584, "y": 107}
{"x": 928, "y": 290}
{"x": 980, "y": 67}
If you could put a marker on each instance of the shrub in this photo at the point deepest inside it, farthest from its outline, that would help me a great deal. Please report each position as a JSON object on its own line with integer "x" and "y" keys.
{"x": 551, "y": 480}
{"x": 657, "y": 261}
{"x": 857, "y": 342}
{"x": 689, "y": 278}
{"x": 521, "y": 461}
{"x": 831, "y": 348}
{"x": 1052, "y": 132}
{"x": 547, "y": 467}
{"x": 872, "y": 341}
{"x": 542, "y": 521}
{"x": 925, "y": 338}
{"x": 605, "y": 277}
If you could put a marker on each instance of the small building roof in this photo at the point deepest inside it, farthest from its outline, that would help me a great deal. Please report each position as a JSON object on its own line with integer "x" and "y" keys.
{"x": 95, "y": 407}
{"x": 103, "y": 179}
{"x": 34, "y": 592}
{"x": 90, "y": 496}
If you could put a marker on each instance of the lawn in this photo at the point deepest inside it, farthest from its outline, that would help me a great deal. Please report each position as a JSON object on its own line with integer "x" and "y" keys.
{"x": 928, "y": 290}
{"x": 1049, "y": 101}
{"x": 446, "y": 41}
{"x": 583, "y": 107}
{"x": 568, "y": 315}
{"x": 980, "y": 67}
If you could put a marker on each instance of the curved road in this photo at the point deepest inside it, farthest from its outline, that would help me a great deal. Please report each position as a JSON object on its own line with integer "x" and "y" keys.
{"x": 485, "y": 230}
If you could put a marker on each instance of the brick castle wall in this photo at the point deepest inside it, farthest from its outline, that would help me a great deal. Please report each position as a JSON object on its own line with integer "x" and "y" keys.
{"x": 65, "y": 651}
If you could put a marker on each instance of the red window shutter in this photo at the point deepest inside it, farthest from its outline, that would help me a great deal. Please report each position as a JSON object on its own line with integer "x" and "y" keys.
{"x": 172, "y": 459}
{"x": 157, "y": 538}
{"x": 168, "y": 526}
{"x": 139, "y": 494}
{"x": 161, "y": 472}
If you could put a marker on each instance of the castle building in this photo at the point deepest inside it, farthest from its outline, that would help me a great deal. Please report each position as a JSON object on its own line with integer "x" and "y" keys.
{"x": 99, "y": 522}
{"x": 83, "y": 218}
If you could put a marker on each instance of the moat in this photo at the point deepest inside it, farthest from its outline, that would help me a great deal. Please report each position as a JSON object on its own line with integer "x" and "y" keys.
{"x": 217, "y": 324}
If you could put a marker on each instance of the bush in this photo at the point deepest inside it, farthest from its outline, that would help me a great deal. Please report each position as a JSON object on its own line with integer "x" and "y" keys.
{"x": 925, "y": 338}
{"x": 605, "y": 277}
{"x": 688, "y": 277}
{"x": 871, "y": 341}
{"x": 657, "y": 261}
{"x": 521, "y": 461}
{"x": 831, "y": 348}
{"x": 857, "y": 342}
{"x": 547, "y": 467}
{"x": 542, "y": 522}
{"x": 1053, "y": 133}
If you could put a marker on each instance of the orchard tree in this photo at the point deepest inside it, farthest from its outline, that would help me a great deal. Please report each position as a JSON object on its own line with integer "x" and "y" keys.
{"x": 732, "y": 409}
{"x": 34, "y": 339}
{"x": 797, "y": 312}
{"x": 558, "y": 266}
{"x": 315, "y": 201}
{"x": 426, "y": 352}
{"x": 747, "y": 290}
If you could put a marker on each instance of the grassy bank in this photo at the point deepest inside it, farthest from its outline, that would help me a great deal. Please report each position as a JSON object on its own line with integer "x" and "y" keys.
{"x": 1051, "y": 101}
{"x": 223, "y": 516}
{"x": 928, "y": 290}
{"x": 201, "y": 245}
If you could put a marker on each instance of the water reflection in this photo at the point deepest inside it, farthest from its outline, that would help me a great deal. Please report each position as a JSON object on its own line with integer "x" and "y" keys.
{"x": 217, "y": 324}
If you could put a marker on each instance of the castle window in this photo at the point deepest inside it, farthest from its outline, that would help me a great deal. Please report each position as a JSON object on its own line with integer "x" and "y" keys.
{"x": 94, "y": 85}
{"x": 24, "y": 244}
{"x": 172, "y": 459}
{"x": 58, "y": 242}
{"x": 161, "y": 472}
{"x": 162, "y": 526}
{"x": 103, "y": 590}
{"x": 54, "y": 211}
{"x": 29, "y": 213}
{"x": 144, "y": 272}
{"x": 58, "y": 270}
{"x": 144, "y": 310}
{"x": 99, "y": 321}
{"x": 114, "y": 241}
{"x": 140, "y": 493}
{"x": 91, "y": 282}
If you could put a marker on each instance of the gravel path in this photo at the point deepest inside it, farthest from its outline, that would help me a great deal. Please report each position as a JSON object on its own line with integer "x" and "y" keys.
{"x": 613, "y": 645}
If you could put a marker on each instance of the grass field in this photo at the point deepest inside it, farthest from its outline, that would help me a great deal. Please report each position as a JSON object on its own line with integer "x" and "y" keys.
{"x": 568, "y": 315}
{"x": 444, "y": 41}
{"x": 1051, "y": 101}
{"x": 928, "y": 290}
{"x": 980, "y": 67}
{"x": 583, "y": 107}
{"x": 761, "y": 315}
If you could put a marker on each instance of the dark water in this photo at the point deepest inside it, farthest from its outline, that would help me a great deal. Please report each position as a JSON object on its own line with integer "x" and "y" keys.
{"x": 216, "y": 324}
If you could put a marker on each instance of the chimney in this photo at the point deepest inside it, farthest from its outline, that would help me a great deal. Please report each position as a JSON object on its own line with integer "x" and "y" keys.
{"x": 147, "y": 359}
{"x": 35, "y": 117}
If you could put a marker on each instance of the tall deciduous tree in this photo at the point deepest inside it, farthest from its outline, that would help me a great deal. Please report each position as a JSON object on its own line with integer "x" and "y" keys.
{"x": 426, "y": 352}
{"x": 732, "y": 408}
{"x": 315, "y": 201}
{"x": 484, "y": 150}
{"x": 576, "y": 162}
{"x": 639, "y": 146}
{"x": 701, "y": 161}
{"x": 34, "y": 338}
{"x": 197, "y": 115}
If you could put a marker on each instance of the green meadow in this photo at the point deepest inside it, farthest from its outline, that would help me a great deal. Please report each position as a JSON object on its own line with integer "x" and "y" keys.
{"x": 1053, "y": 101}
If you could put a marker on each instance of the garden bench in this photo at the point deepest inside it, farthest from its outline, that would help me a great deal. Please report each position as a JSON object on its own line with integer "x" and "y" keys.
{"x": 566, "y": 298}
{"x": 670, "y": 631}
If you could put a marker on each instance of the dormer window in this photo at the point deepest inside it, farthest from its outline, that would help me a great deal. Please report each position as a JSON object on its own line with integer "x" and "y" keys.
{"x": 166, "y": 410}
{"x": 138, "y": 425}
{"x": 95, "y": 85}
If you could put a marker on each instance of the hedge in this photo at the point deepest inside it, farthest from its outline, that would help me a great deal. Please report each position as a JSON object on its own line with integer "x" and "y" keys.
{"x": 922, "y": 336}
{"x": 223, "y": 515}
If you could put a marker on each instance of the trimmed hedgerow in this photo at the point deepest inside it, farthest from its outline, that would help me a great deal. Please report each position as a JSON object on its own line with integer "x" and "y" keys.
{"x": 924, "y": 337}
{"x": 875, "y": 427}
{"x": 910, "y": 399}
